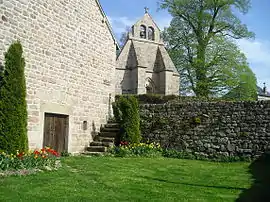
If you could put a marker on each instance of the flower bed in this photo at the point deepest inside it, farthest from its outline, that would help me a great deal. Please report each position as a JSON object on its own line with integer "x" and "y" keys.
{"x": 44, "y": 159}
{"x": 155, "y": 150}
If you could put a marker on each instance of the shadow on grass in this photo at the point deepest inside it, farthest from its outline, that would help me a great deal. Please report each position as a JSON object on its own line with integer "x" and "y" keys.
{"x": 194, "y": 185}
{"x": 260, "y": 189}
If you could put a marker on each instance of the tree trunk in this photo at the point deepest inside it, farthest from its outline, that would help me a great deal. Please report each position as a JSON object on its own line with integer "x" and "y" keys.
{"x": 202, "y": 89}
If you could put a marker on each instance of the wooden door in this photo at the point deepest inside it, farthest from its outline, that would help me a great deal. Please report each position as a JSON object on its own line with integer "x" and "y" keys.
{"x": 56, "y": 132}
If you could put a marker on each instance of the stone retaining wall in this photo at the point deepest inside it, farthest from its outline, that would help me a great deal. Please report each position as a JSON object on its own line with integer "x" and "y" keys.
{"x": 240, "y": 129}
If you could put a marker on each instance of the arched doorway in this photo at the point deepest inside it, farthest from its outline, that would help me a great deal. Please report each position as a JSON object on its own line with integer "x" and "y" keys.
{"x": 150, "y": 86}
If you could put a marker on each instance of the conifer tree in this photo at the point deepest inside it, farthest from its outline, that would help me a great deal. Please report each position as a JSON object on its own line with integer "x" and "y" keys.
{"x": 13, "y": 108}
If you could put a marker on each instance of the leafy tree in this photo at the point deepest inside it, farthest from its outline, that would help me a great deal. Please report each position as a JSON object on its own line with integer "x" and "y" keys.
{"x": 245, "y": 90}
{"x": 13, "y": 110}
{"x": 224, "y": 62}
{"x": 200, "y": 41}
{"x": 124, "y": 36}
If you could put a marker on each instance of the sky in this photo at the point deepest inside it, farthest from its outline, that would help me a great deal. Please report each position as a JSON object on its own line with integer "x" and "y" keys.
{"x": 123, "y": 13}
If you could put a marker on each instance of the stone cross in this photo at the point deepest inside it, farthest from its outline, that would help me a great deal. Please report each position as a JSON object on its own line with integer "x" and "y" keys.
{"x": 146, "y": 9}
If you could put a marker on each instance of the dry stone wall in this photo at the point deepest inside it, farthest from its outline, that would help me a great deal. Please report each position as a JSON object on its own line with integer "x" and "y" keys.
{"x": 236, "y": 129}
{"x": 70, "y": 58}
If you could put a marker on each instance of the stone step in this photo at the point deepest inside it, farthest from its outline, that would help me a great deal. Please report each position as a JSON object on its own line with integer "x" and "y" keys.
{"x": 93, "y": 154}
{"x": 111, "y": 121}
{"x": 108, "y": 134}
{"x": 105, "y": 144}
{"x": 96, "y": 149}
{"x": 110, "y": 130}
{"x": 112, "y": 125}
{"x": 104, "y": 139}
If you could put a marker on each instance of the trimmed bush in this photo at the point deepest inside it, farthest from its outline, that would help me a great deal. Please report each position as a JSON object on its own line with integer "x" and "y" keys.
{"x": 151, "y": 98}
{"x": 162, "y": 99}
{"x": 136, "y": 150}
{"x": 126, "y": 112}
{"x": 1, "y": 74}
{"x": 13, "y": 110}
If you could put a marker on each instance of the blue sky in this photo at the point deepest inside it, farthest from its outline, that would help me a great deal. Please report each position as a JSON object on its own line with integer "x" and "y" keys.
{"x": 122, "y": 13}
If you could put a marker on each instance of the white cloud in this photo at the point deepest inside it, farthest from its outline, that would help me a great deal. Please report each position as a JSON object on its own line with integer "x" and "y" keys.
{"x": 119, "y": 24}
{"x": 163, "y": 22}
{"x": 256, "y": 51}
{"x": 258, "y": 55}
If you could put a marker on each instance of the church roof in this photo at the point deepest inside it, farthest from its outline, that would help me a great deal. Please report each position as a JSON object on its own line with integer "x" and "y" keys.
{"x": 148, "y": 54}
{"x": 145, "y": 53}
{"x": 168, "y": 63}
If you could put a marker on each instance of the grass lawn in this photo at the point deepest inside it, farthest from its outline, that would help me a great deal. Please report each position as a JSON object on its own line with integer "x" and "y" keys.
{"x": 131, "y": 179}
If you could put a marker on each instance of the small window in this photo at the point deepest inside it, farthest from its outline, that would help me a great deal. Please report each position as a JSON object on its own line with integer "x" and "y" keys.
{"x": 143, "y": 32}
{"x": 151, "y": 33}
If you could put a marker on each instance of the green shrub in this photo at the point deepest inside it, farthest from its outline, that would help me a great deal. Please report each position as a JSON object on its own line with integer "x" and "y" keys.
{"x": 65, "y": 154}
{"x": 162, "y": 99}
{"x": 151, "y": 98}
{"x": 154, "y": 150}
{"x": 171, "y": 153}
{"x": 13, "y": 110}
{"x": 116, "y": 111}
{"x": 126, "y": 112}
{"x": 136, "y": 150}
{"x": 1, "y": 74}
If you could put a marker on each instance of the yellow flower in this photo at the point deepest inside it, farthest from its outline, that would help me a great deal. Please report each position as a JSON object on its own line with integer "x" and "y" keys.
{"x": 35, "y": 156}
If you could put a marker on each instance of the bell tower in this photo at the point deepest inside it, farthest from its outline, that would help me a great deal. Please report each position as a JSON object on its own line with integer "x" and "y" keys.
{"x": 146, "y": 28}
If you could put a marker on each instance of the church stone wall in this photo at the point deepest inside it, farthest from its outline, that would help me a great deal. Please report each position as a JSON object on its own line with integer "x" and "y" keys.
{"x": 121, "y": 81}
{"x": 162, "y": 84}
{"x": 70, "y": 62}
{"x": 175, "y": 84}
{"x": 172, "y": 83}
{"x": 141, "y": 78}
{"x": 169, "y": 83}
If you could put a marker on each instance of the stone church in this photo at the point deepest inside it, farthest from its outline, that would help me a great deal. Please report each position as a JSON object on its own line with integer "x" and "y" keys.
{"x": 70, "y": 53}
{"x": 144, "y": 66}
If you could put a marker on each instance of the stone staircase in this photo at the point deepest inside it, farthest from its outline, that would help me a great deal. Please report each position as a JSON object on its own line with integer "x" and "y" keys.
{"x": 105, "y": 139}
